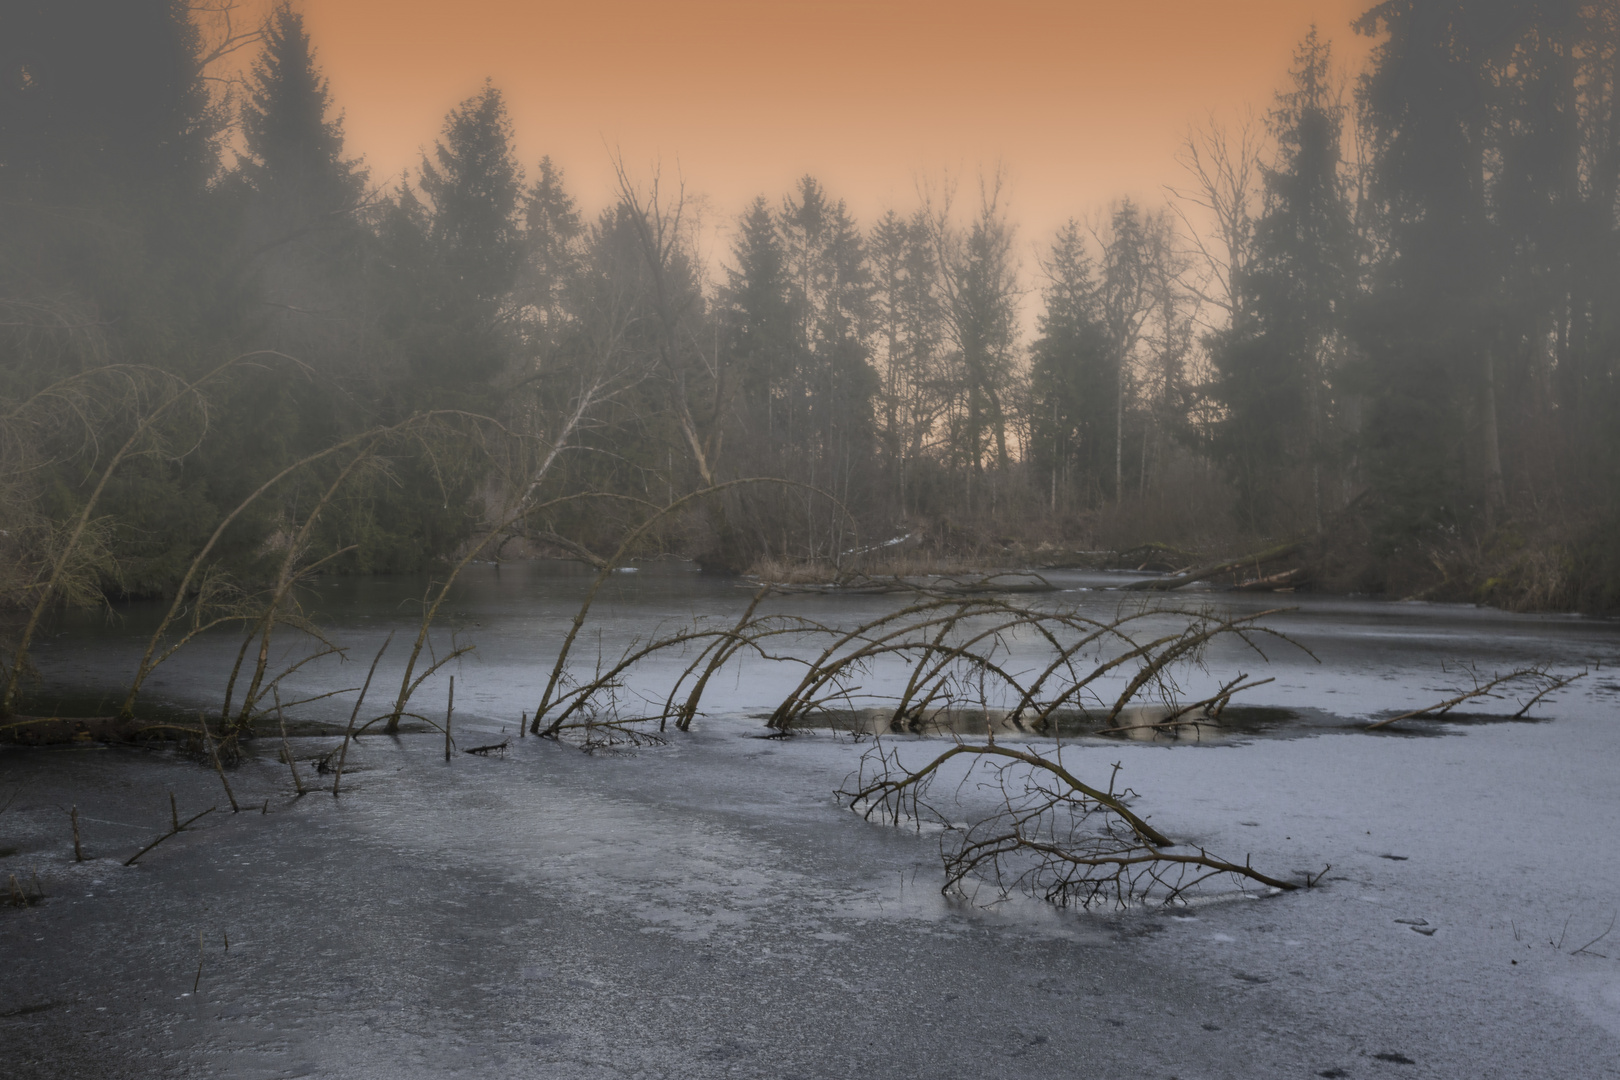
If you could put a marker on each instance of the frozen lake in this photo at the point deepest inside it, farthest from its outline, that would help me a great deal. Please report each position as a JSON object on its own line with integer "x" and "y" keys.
{"x": 705, "y": 908}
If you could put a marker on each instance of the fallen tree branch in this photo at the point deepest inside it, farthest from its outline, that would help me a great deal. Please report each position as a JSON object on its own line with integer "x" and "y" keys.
{"x": 1285, "y": 580}
{"x": 889, "y": 784}
{"x": 494, "y": 748}
{"x": 1554, "y": 684}
{"x": 1597, "y": 939}
{"x": 1211, "y": 707}
{"x": 1176, "y": 581}
{"x": 577, "y": 550}
{"x": 177, "y": 830}
{"x": 1538, "y": 676}
{"x": 1052, "y": 835}
{"x": 1155, "y": 550}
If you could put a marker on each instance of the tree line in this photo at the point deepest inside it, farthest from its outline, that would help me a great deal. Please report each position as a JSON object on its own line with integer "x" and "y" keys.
{"x": 1380, "y": 318}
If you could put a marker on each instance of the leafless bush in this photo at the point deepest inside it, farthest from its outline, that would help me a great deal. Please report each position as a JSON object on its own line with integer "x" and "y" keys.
{"x": 44, "y": 561}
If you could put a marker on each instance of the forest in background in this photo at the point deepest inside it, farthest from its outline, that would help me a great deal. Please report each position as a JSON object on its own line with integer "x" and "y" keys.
{"x": 1378, "y": 321}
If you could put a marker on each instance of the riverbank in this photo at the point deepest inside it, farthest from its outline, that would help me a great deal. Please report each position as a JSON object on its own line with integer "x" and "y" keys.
{"x": 1541, "y": 568}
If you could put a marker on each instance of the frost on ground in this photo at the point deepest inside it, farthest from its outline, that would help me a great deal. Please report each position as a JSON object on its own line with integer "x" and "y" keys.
{"x": 707, "y": 908}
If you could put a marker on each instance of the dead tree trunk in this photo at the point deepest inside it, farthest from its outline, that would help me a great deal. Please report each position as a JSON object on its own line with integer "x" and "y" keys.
{"x": 1165, "y": 584}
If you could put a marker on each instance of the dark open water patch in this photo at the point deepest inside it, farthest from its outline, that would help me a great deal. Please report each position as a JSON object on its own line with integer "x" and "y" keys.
{"x": 1138, "y": 723}
{"x": 1428, "y": 726}
{"x": 156, "y": 719}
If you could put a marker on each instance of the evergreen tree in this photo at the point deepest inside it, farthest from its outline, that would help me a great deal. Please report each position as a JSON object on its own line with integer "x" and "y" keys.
{"x": 474, "y": 185}
{"x": 111, "y": 227}
{"x": 1130, "y": 280}
{"x": 1426, "y": 332}
{"x": 1553, "y": 198}
{"x": 829, "y": 400}
{"x": 760, "y": 324}
{"x": 304, "y": 197}
{"x": 1487, "y": 334}
{"x": 104, "y": 116}
{"x": 1277, "y": 364}
{"x": 1072, "y": 377}
{"x": 552, "y": 237}
{"x": 450, "y": 266}
{"x": 295, "y": 158}
{"x": 446, "y": 277}
{"x": 103, "y": 100}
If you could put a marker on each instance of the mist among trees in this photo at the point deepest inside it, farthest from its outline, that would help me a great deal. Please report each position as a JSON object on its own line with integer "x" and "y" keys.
{"x": 1380, "y": 318}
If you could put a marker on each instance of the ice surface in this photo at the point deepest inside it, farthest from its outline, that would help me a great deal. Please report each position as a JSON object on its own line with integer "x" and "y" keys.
{"x": 705, "y": 909}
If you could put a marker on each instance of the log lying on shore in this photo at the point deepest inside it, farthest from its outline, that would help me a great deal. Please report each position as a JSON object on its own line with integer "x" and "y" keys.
{"x": 1288, "y": 579}
{"x": 862, "y": 585}
{"x": 1176, "y": 581}
{"x": 1075, "y": 560}
{"x": 1143, "y": 556}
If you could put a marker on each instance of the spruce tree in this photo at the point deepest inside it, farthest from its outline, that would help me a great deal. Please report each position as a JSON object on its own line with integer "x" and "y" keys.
{"x": 449, "y": 265}
{"x": 1426, "y": 331}
{"x": 1278, "y": 366}
{"x": 1072, "y": 378}
{"x": 978, "y": 277}
{"x": 304, "y": 237}
{"x": 295, "y": 158}
{"x": 552, "y": 237}
{"x": 828, "y": 399}
{"x": 474, "y": 185}
{"x": 104, "y": 100}
{"x": 908, "y": 332}
{"x": 1128, "y": 278}
{"x": 760, "y": 326}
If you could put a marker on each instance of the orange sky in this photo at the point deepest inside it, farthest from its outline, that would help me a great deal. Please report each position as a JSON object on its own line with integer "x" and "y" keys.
{"x": 1082, "y": 102}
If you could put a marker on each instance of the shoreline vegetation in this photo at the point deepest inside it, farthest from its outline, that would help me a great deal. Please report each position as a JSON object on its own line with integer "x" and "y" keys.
{"x": 231, "y": 364}
{"x": 1375, "y": 319}
{"x": 1506, "y": 577}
